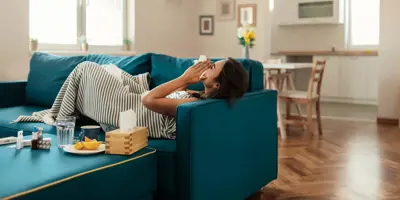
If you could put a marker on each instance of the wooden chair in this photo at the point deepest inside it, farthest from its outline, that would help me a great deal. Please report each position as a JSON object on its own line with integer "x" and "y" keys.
{"x": 308, "y": 97}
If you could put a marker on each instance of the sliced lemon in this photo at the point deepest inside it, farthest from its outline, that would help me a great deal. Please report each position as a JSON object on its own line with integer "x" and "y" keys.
{"x": 89, "y": 140}
{"x": 78, "y": 146}
{"x": 91, "y": 145}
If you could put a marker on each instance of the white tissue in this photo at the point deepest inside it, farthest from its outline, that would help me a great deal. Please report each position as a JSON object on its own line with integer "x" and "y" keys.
{"x": 127, "y": 120}
{"x": 202, "y": 58}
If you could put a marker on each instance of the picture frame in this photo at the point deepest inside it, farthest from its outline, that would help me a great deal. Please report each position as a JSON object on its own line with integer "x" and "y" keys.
{"x": 226, "y": 9}
{"x": 206, "y": 24}
{"x": 247, "y": 14}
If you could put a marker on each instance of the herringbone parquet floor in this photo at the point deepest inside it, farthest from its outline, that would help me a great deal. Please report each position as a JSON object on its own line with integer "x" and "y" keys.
{"x": 351, "y": 161}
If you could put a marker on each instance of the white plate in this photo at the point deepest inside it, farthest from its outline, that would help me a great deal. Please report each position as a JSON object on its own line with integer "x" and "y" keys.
{"x": 71, "y": 149}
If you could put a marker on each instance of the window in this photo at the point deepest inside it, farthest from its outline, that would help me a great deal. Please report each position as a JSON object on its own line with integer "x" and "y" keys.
{"x": 363, "y": 23}
{"x": 58, "y": 24}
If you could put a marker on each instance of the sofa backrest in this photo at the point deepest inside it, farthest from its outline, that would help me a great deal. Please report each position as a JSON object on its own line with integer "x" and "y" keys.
{"x": 165, "y": 68}
{"x": 46, "y": 76}
{"x": 48, "y": 72}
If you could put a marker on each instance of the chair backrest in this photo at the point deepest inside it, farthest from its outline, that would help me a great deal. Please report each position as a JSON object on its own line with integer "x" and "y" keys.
{"x": 317, "y": 73}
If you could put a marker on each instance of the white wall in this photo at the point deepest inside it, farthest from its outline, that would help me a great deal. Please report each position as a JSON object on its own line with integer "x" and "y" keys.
{"x": 389, "y": 58}
{"x": 166, "y": 27}
{"x": 14, "y": 40}
{"x": 224, "y": 42}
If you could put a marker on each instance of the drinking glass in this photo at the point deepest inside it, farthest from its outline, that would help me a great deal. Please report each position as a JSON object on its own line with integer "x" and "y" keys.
{"x": 65, "y": 130}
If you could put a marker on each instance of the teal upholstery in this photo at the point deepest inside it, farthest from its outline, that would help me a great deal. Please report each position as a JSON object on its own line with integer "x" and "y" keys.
{"x": 132, "y": 64}
{"x": 46, "y": 76}
{"x": 166, "y": 168}
{"x": 12, "y": 113}
{"x": 223, "y": 155}
{"x": 165, "y": 68}
{"x": 132, "y": 176}
{"x": 219, "y": 153}
{"x": 13, "y": 93}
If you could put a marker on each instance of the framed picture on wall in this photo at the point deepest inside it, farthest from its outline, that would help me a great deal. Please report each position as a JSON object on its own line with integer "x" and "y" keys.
{"x": 247, "y": 14}
{"x": 226, "y": 9}
{"x": 206, "y": 25}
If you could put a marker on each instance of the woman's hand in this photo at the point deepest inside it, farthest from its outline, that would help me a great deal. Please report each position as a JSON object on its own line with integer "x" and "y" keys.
{"x": 194, "y": 73}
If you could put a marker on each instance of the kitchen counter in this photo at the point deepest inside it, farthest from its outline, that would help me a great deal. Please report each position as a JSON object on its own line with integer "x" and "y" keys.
{"x": 327, "y": 53}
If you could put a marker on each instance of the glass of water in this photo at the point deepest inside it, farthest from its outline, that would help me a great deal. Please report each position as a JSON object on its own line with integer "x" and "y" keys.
{"x": 65, "y": 130}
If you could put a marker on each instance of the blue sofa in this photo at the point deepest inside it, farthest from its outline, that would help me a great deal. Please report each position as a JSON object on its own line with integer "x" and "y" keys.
{"x": 219, "y": 153}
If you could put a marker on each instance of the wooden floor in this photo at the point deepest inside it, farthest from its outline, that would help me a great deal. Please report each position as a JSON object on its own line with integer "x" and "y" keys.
{"x": 351, "y": 161}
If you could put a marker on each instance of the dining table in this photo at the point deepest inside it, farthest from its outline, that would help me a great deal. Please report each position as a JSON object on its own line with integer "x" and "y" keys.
{"x": 279, "y": 76}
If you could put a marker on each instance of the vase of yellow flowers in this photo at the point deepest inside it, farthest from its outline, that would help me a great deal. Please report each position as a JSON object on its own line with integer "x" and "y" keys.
{"x": 246, "y": 36}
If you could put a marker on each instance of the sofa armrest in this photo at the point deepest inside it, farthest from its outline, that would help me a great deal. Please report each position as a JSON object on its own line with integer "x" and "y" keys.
{"x": 227, "y": 153}
{"x": 12, "y": 93}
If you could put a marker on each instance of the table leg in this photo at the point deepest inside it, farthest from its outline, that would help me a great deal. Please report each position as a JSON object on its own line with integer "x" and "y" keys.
{"x": 274, "y": 83}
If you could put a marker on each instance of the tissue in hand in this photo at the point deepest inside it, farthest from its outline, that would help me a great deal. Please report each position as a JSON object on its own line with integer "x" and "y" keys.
{"x": 202, "y": 58}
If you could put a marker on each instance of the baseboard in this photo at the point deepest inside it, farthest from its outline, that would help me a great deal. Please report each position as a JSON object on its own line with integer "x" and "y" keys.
{"x": 340, "y": 118}
{"x": 370, "y": 102}
{"x": 387, "y": 121}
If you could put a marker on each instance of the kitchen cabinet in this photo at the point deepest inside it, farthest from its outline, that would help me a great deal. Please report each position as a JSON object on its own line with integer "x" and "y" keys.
{"x": 330, "y": 83}
{"x": 350, "y": 79}
{"x": 298, "y": 12}
{"x": 353, "y": 78}
{"x": 372, "y": 79}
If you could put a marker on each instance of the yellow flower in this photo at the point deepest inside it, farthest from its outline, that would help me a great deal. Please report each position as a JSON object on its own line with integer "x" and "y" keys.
{"x": 247, "y": 40}
{"x": 252, "y": 35}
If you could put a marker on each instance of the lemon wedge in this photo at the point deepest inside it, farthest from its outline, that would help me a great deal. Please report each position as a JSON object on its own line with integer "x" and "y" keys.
{"x": 89, "y": 140}
{"x": 91, "y": 145}
{"x": 78, "y": 146}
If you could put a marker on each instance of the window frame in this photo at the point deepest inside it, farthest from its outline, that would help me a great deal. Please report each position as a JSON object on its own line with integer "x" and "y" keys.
{"x": 81, "y": 30}
{"x": 348, "y": 31}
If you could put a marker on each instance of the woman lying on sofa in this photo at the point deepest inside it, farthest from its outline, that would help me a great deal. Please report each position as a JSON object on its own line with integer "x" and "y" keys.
{"x": 102, "y": 92}
{"x": 226, "y": 79}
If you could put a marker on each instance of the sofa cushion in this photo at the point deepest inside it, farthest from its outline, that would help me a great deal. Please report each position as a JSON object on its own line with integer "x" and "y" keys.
{"x": 46, "y": 76}
{"x": 9, "y": 114}
{"x": 132, "y": 64}
{"x": 166, "y": 168}
{"x": 163, "y": 145}
{"x": 165, "y": 68}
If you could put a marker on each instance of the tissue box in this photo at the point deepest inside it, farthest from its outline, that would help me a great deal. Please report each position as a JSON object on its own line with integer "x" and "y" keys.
{"x": 126, "y": 143}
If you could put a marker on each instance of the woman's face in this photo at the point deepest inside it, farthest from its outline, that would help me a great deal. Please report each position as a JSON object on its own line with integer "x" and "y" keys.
{"x": 212, "y": 73}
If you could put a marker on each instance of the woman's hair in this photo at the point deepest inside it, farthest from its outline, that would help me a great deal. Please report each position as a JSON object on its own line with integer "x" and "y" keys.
{"x": 233, "y": 82}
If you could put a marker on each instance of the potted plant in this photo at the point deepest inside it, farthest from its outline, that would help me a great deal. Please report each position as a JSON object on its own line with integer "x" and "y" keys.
{"x": 33, "y": 44}
{"x": 126, "y": 45}
{"x": 84, "y": 43}
{"x": 246, "y": 36}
